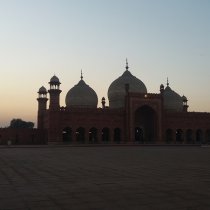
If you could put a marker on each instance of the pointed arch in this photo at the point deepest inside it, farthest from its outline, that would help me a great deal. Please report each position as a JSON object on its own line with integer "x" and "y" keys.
{"x": 169, "y": 136}
{"x": 105, "y": 135}
{"x": 67, "y": 134}
{"x": 179, "y": 136}
{"x": 145, "y": 124}
{"x": 80, "y": 135}
{"x": 117, "y": 135}
{"x": 199, "y": 136}
{"x": 208, "y": 136}
{"x": 93, "y": 135}
{"x": 139, "y": 135}
{"x": 189, "y": 136}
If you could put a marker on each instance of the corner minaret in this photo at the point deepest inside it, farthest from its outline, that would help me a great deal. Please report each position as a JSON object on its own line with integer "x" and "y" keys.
{"x": 42, "y": 106}
{"x": 54, "y": 93}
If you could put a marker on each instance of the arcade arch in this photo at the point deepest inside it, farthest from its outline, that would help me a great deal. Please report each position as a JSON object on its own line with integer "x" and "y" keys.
{"x": 117, "y": 135}
{"x": 67, "y": 134}
{"x": 93, "y": 135}
{"x": 105, "y": 135}
{"x": 80, "y": 135}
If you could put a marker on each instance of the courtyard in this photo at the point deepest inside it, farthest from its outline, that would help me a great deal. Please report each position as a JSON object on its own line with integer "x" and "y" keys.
{"x": 105, "y": 178}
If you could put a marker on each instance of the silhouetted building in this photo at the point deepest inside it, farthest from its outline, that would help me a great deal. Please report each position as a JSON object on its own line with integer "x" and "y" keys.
{"x": 133, "y": 115}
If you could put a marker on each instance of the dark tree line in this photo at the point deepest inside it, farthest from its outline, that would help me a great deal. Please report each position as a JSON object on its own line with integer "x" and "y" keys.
{"x": 19, "y": 123}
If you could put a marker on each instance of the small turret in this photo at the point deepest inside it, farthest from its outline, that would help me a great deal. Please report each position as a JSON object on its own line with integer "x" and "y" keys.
{"x": 42, "y": 93}
{"x": 185, "y": 106}
{"x": 54, "y": 83}
{"x": 103, "y": 102}
{"x": 161, "y": 88}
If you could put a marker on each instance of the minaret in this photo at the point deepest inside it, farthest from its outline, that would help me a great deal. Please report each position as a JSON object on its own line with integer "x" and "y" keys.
{"x": 185, "y": 106}
{"x": 42, "y": 106}
{"x": 54, "y": 93}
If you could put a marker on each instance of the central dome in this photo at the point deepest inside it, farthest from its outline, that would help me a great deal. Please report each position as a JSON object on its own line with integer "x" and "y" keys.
{"x": 81, "y": 95}
{"x": 116, "y": 91}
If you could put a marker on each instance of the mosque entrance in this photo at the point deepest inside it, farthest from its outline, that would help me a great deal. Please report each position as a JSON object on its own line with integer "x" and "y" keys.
{"x": 145, "y": 125}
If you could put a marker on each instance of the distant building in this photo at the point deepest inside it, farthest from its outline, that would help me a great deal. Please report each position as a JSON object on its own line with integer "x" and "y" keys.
{"x": 133, "y": 115}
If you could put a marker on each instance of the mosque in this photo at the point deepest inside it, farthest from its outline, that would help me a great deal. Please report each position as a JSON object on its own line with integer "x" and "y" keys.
{"x": 133, "y": 116}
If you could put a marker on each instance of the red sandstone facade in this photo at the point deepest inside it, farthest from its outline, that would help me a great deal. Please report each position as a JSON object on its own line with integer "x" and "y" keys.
{"x": 133, "y": 117}
{"x": 143, "y": 120}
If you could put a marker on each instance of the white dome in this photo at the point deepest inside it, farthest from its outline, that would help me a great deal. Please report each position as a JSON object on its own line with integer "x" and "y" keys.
{"x": 81, "y": 95}
{"x": 116, "y": 91}
{"x": 172, "y": 100}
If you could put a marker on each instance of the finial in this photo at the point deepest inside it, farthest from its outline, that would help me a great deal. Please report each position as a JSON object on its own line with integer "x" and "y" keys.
{"x": 126, "y": 67}
{"x": 81, "y": 75}
{"x": 167, "y": 82}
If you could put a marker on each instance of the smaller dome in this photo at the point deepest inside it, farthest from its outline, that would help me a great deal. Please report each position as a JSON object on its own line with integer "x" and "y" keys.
{"x": 172, "y": 100}
{"x": 42, "y": 90}
{"x": 81, "y": 95}
{"x": 54, "y": 79}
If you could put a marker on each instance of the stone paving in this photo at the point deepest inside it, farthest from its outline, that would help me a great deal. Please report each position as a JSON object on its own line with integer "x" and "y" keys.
{"x": 105, "y": 178}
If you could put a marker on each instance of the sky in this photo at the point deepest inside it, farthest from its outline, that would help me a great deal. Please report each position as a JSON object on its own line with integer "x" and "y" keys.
{"x": 160, "y": 38}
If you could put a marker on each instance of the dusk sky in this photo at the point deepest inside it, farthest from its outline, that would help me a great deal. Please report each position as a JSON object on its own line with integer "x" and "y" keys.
{"x": 160, "y": 38}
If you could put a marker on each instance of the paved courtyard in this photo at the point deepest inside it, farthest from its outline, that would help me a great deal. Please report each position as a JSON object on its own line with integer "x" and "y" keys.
{"x": 105, "y": 178}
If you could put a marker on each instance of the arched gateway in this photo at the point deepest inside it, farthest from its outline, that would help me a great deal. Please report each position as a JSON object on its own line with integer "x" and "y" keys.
{"x": 145, "y": 125}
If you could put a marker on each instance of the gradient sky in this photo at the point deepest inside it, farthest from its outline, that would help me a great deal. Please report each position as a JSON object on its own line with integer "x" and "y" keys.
{"x": 160, "y": 38}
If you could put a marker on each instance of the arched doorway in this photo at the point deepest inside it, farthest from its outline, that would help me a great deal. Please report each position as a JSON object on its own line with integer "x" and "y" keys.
{"x": 67, "y": 134}
{"x": 199, "y": 136}
{"x": 208, "y": 136}
{"x": 145, "y": 125}
{"x": 179, "y": 136}
{"x": 139, "y": 135}
{"x": 189, "y": 136}
{"x": 117, "y": 135}
{"x": 93, "y": 135}
{"x": 80, "y": 135}
{"x": 169, "y": 136}
{"x": 105, "y": 134}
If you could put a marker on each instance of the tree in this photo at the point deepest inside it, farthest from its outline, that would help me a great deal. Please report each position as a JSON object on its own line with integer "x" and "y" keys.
{"x": 19, "y": 123}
